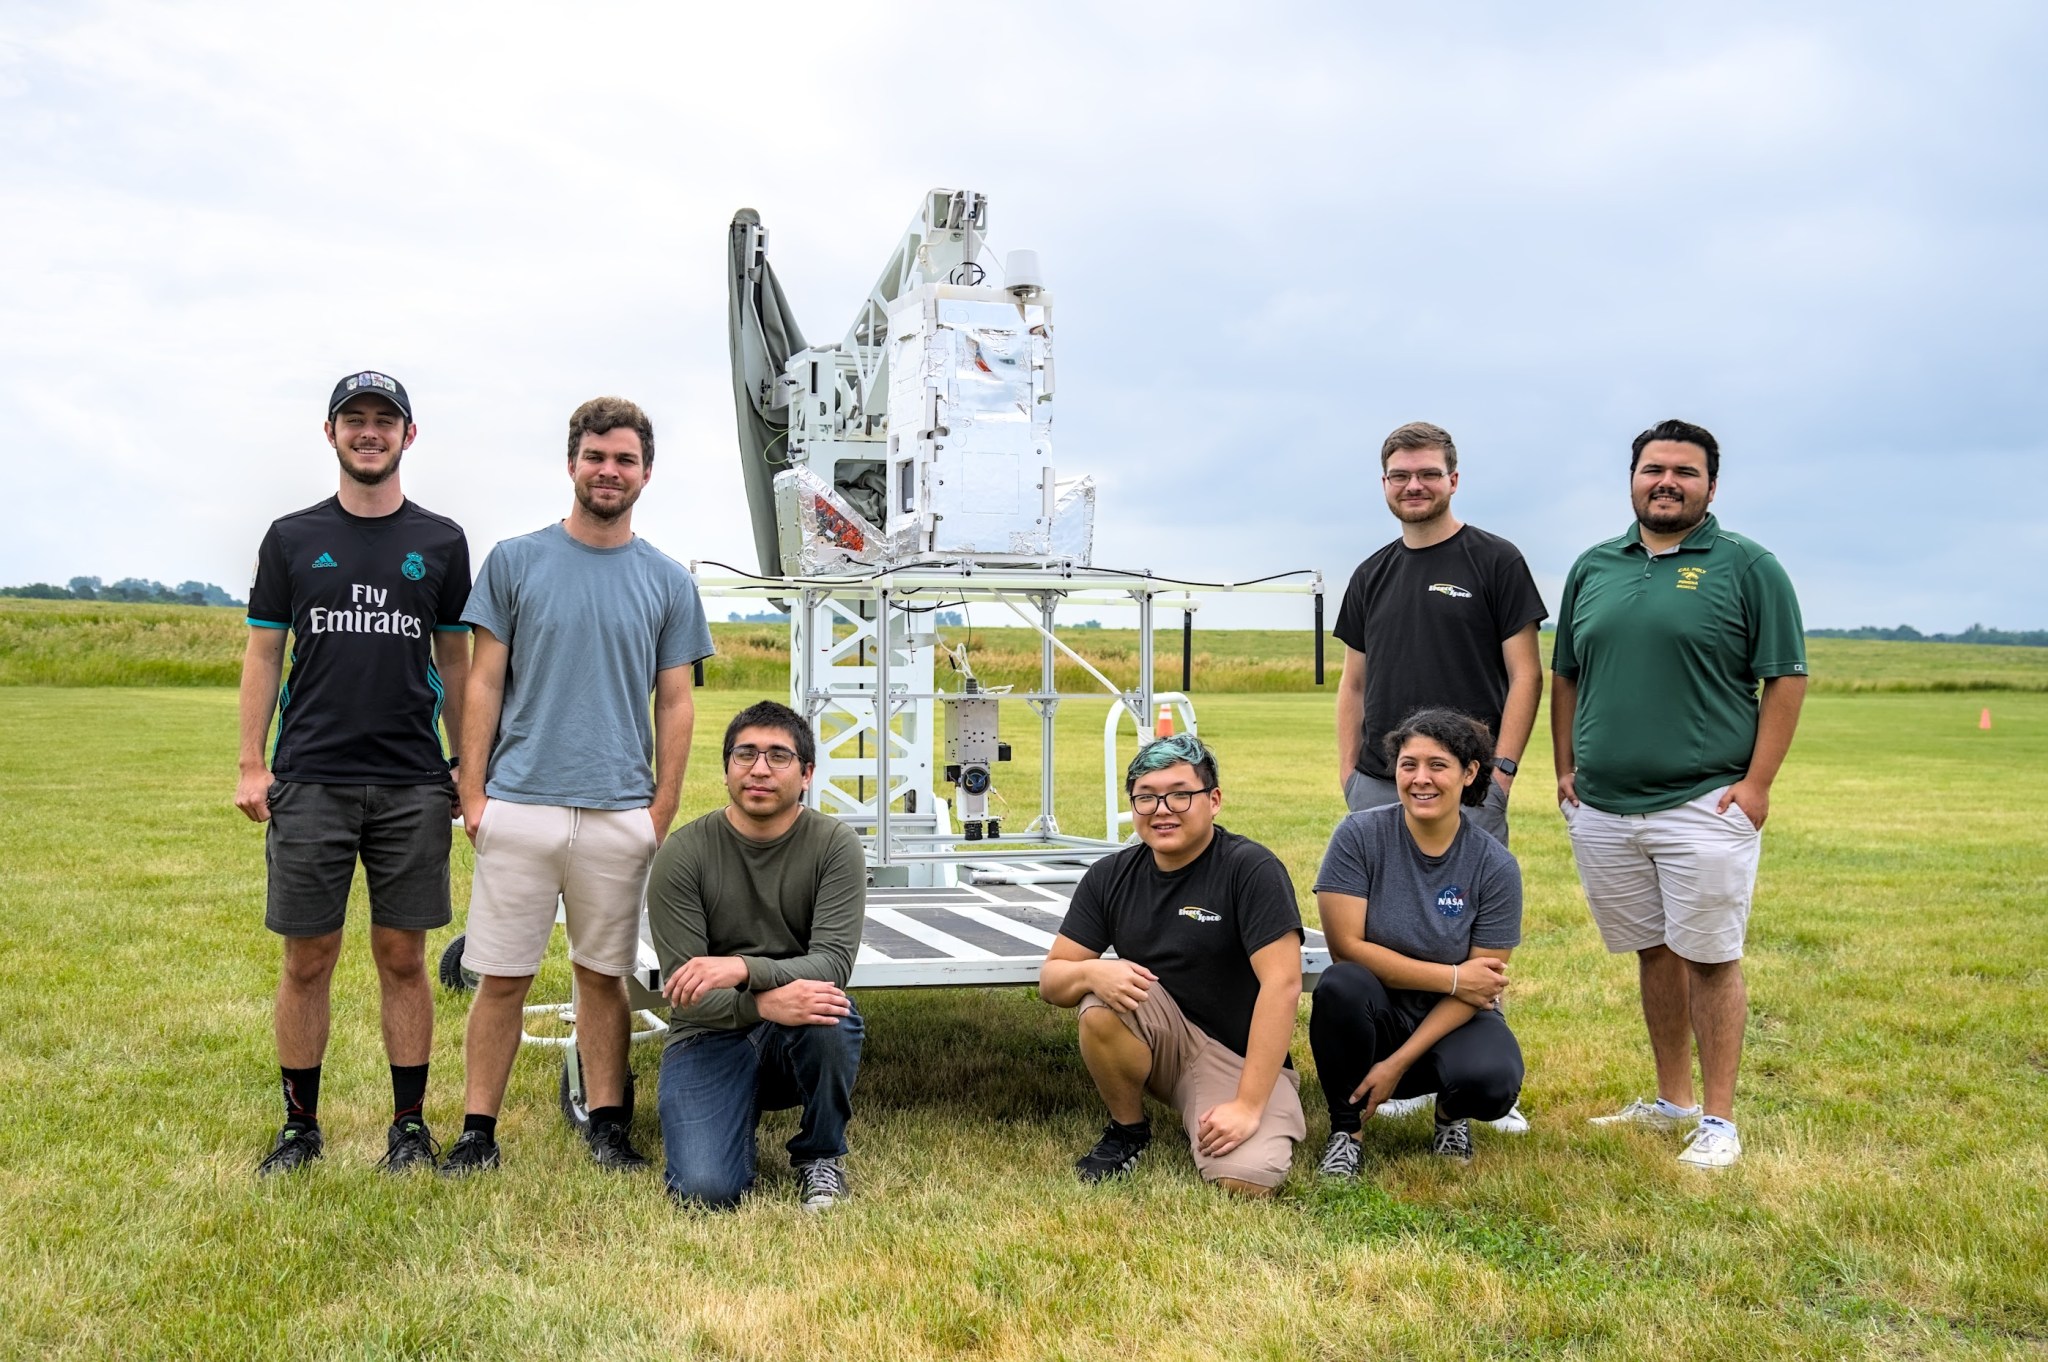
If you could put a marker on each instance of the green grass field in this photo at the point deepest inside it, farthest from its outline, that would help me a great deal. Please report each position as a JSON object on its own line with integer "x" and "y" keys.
{"x": 1894, "y": 1102}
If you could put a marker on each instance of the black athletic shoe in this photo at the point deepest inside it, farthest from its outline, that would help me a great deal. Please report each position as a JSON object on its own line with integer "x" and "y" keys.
{"x": 408, "y": 1145}
{"x": 821, "y": 1184}
{"x": 1116, "y": 1153}
{"x": 612, "y": 1148}
{"x": 1453, "y": 1140}
{"x": 472, "y": 1152}
{"x": 296, "y": 1147}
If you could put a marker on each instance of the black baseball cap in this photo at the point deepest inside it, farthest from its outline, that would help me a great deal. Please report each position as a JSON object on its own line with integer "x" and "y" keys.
{"x": 369, "y": 381}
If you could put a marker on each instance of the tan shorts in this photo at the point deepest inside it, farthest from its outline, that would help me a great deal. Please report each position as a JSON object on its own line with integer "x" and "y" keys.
{"x": 1192, "y": 1072}
{"x": 1679, "y": 877}
{"x": 528, "y": 857}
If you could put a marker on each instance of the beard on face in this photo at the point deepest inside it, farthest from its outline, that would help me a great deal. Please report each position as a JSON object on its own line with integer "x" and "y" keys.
{"x": 1669, "y": 517}
{"x": 364, "y": 477}
{"x": 1420, "y": 512}
{"x": 601, "y": 512}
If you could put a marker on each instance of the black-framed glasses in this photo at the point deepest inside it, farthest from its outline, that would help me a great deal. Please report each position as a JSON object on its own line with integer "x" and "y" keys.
{"x": 745, "y": 755}
{"x": 1176, "y": 801}
{"x": 1428, "y": 477}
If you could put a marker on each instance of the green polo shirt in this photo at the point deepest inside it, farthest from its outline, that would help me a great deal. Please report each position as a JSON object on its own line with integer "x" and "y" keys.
{"x": 1668, "y": 652}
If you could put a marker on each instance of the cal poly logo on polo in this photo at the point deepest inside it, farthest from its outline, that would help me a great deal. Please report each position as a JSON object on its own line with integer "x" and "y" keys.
{"x": 414, "y": 566}
{"x": 1194, "y": 914}
{"x": 1689, "y": 578}
{"x": 1456, "y": 593}
{"x": 1450, "y": 901}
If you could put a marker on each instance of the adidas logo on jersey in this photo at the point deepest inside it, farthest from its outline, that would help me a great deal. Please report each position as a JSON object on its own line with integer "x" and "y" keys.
{"x": 325, "y": 560}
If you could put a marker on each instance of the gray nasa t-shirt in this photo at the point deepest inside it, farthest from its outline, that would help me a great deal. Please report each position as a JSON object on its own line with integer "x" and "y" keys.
{"x": 1432, "y": 908}
{"x": 588, "y": 629}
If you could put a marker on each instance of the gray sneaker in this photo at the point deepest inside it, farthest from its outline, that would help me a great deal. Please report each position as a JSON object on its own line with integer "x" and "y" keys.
{"x": 1641, "y": 1113}
{"x": 1453, "y": 1140}
{"x": 821, "y": 1184}
{"x": 1340, "y": 1157}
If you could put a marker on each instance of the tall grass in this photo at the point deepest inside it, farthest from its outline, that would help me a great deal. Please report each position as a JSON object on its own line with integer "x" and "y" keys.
{"x": 84, "y": 643}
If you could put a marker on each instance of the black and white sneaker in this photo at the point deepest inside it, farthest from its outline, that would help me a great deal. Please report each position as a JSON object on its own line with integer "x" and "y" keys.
{"x": 472, "y": 1152}
{"x": 1116, "y": 1153}
{"x": 1340, "y": 1157}
{"x": 1453, "y": 1140}
{"x": 612, "y": 1148}
{"x": 408, "y": 1145}
{"x": 821, "y": 1184}
{"x": 296, "y": 1147}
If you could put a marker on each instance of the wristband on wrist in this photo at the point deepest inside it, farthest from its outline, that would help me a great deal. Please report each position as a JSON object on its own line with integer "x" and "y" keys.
{"x": 1454, "y": 981}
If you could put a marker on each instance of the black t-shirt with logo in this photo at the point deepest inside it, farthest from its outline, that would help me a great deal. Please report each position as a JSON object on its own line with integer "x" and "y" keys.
{"x": 1430, "y": 623}
{"x": 1195, "y": 927}
{"x": 363, "y": 598}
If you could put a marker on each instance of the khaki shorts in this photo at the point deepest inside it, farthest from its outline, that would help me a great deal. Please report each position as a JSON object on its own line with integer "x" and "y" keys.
{"x": 1192, "y": 1072}
{"x": 529, "y": 856}
{"x": 1679, "y": 877}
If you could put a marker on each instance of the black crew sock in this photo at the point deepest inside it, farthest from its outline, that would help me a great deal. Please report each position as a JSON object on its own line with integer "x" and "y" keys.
{"x": 1140, "y": 1129}
{"x": 610, "y": 1116}
{"x": 487, "y": 1124}
{"x": 408, "y": 1091}
{"x": 301, "y": 1097}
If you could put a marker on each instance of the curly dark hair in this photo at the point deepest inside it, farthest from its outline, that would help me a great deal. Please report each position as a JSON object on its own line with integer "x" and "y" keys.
{"x": 1464, "y": 737}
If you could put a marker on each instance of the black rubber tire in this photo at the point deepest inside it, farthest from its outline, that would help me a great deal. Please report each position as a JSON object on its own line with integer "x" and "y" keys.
{"x": 573, "y": 1109}
{"x": 454, "y": 977}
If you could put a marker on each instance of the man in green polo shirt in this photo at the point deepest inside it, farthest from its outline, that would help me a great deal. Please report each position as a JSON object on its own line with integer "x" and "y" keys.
{"x": 1665, "y": 757}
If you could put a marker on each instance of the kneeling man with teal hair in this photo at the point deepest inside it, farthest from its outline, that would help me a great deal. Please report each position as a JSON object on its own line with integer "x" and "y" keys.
{"x": 1199, "y": 1004}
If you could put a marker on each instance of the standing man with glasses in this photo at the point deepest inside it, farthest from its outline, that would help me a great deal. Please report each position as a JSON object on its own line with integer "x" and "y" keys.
{"x": 1199, "y": 1005}
{"x": 576, "y": 625}
{"x": 756, "y": 911}
{"x": 371, "y": 587}
{"x": 1681, "y": 669}
{"x": 1443, "y": 617}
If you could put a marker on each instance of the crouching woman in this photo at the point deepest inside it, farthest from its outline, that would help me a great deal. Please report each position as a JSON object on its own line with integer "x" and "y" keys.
{"x": 1421, "y": 909}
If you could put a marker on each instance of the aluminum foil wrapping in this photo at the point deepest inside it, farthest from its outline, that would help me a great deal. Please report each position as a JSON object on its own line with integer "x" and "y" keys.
{"x": 1073, "y": 520}
{"x": 819, "y": 532}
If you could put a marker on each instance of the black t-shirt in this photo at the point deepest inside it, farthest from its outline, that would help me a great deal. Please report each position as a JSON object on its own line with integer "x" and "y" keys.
{"x": 1430, "y": 623}
{"x": 1195, "y": 927}
{"x": 362, "y": 598}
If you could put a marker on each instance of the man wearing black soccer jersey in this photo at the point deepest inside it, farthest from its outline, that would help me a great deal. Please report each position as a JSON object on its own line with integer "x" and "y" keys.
{"x": 371, "y": 588}
{"x": 1198, "y": 1006}
{"x": 1443, "y": 617}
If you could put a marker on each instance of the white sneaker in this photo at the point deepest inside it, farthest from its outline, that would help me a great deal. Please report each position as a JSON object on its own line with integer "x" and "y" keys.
{"x": 1711, "y": 1146}
{"x": 1394, "y": 1108}
{"x": 1641, "y": 1113}
{"x": 1514, "y": 1123}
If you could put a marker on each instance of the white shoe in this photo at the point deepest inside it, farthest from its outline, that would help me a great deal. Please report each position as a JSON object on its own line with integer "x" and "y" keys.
{"x": 1394, "y": 1108}
{"x": 1641, "y": 1113}
{"x": 1711, "y": 1146}
{"x": 1514, "y": 1123}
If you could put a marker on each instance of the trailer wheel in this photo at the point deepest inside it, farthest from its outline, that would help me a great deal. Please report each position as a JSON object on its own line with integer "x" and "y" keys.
{"x": 575, "y": 1109}
{"x": 454, "y": 977}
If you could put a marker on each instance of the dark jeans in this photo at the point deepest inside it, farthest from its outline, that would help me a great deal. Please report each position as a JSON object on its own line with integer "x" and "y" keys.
{"x": 715, "y": 1086}
{"x": 1355, "y": 1022}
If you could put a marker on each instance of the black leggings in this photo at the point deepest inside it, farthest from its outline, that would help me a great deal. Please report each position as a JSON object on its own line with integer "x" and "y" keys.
{"x": 1475, "y": 1071}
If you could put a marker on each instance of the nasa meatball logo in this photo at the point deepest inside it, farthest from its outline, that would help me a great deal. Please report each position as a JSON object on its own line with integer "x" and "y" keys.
{"x": 1450, "y": 901}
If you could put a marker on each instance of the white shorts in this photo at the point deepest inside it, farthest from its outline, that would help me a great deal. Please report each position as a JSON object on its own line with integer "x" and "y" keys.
{"x": 1679, "y": 877}
{"x": 528, "y": 856}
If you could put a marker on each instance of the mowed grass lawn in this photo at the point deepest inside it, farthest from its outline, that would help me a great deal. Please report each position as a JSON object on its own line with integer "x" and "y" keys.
{"x": 1894, "y": 1106}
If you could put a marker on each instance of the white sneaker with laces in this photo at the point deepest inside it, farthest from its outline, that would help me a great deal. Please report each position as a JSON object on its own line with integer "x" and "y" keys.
{"x": 1641, "y": 1113}
{"x": 1711, "y": 1146}
{"x": 1514, "y": 1123}
{"x": 1394, "y": 1108}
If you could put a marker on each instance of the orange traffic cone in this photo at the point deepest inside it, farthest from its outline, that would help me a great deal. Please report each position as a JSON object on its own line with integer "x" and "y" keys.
{"x": 1984, "y": 719}
{"x": 1164, "y": 728}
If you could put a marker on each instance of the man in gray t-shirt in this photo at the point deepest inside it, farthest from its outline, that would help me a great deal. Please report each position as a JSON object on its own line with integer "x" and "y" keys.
{"x": 569, "y": 788}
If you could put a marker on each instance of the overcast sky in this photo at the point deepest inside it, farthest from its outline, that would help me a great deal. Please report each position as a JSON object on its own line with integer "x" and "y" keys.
{"x": 1817, "y": 229}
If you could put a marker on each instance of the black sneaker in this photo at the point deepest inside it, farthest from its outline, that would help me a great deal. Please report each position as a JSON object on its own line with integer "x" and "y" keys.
{"x": 612, "y": 1148}
{"x": 1453, "y": 1140}
{"x": 1340, "y": 1157}
{"x": 472, "y": 1152}
{"x": 408, "y": 1145}
{"x": 821, "y": 1184}
{"x": 296, "y": 1147}
{"x": 1116, "y": 1153}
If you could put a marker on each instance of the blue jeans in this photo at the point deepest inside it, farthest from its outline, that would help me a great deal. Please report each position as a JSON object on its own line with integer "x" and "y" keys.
{"x": 715, "y": 1086}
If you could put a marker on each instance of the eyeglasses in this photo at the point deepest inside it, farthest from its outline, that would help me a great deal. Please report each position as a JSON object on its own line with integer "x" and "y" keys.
{"x": 1428, "y": 477}
{"x": 1176, "y": 801}
{"x": 744, "y": 757}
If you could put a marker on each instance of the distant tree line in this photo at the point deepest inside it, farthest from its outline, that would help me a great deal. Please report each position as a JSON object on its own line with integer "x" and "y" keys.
{"x": 1976, "y": 633}
{"x": 132, "y": 590}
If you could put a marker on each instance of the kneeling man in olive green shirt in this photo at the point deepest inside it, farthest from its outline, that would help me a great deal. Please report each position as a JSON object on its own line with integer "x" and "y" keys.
{"x": 756, "y": 914}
